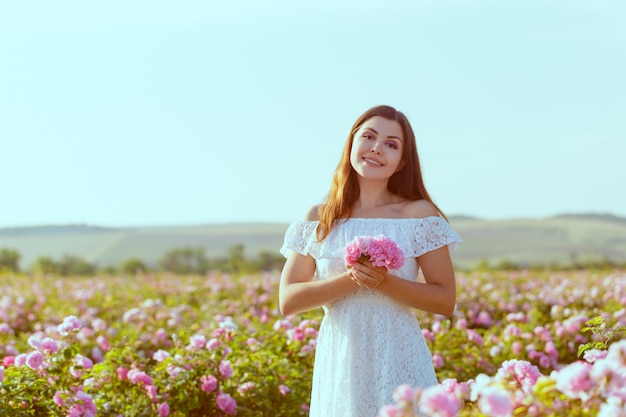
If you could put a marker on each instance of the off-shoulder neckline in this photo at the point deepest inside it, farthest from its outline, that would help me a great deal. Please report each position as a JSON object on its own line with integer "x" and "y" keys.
{"x": 345, "y": 219}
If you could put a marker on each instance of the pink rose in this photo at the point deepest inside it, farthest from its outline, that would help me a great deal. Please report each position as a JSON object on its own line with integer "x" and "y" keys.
{"x": 379, "y": 250}
{"x": 163, "y": 409}
{"x": 226, "y": 369}
{"x": 122, "y": 373}
{"x": 574, "y": 380}
{"x": 209, "y": 383}
{"x": 438, "y": 360}
{"x": 49, "y": 345}
{"x": 226, "y": 403}
{"x": 35, "y": 360}
{"x": 495, "y": 402}
{"x": 197, "y": 342}
{"x": 593, "y": 355}
{"x": 57, "y": 398}
{"x": 403, "y": 393}
{"x": 160, "y": 355}
{"x": 390, "y": 411}
{"x": 136, "y": 376}
{"x": 70, "y": 324}
{"x": 436, "y": 400}
{"x": 213, "y": 343}
{"x": 20, "y": 359}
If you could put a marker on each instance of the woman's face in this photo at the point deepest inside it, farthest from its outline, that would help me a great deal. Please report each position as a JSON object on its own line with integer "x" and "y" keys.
{"x": 377, "y": 148}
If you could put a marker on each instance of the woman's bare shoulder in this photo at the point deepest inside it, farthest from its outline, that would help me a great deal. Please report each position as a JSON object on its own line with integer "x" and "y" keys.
{"x": 313, "y": 213}
{"x": 419, "y": 209}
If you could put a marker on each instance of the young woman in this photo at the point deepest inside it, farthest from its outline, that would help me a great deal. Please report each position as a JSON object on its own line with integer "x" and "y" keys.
{"x": 370, "y": 341}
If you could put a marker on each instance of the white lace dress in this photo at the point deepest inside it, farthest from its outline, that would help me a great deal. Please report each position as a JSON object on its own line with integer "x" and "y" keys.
{"x": 368, "y": 344}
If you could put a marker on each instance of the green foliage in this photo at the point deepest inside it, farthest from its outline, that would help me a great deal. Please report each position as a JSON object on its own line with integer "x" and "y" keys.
{"x": 30, "y": 392}
{"x": 68, "y": 265}
{"x": 190, "y": 260}
{"x": 187, "y": 260}
{"x": 597, "y": 327}
{"x": 75, "y": 265}
{"x": 9, "y": 259}
{"x": 133, "y": 266}
{"x": 45, "y": 265}
{"x": 126, "y": 321}
{"x": 269, "y": 261}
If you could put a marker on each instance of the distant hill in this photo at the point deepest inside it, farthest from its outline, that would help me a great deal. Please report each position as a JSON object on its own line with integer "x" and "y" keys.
{"x": 559, "y": 239}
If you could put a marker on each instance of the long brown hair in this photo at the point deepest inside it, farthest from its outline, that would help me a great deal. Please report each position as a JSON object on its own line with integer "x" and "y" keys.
{"x": 345, "y": 191}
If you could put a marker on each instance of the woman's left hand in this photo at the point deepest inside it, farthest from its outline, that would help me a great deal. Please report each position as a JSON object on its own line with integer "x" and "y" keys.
{"x": 368, "y": 275}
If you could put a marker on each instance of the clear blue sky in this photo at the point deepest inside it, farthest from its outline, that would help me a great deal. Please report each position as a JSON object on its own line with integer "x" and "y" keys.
{"x": 126, "y": 113}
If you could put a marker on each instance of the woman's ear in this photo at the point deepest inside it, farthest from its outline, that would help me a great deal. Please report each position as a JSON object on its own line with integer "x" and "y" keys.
{"x": 400, "y": 166}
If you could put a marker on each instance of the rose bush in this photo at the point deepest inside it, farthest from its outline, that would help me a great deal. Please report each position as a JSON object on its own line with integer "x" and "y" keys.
{"x": 159, "y": 345}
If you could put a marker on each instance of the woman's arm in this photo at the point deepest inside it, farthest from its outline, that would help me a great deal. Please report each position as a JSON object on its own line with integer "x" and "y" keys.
{"x": 437, "y": 295}
{"x": 299, "y": 292}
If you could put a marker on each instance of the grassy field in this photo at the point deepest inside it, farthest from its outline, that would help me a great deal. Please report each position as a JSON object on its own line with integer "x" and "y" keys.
{"x": 560, "y": 239}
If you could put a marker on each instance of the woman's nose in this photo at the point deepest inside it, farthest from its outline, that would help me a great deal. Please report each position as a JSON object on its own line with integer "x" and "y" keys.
{"x": 375, "y": 148}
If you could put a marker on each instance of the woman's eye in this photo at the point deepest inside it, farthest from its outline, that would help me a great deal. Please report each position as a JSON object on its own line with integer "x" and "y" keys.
{"x": 368, "y": 136}
{"x": 392, "y": 145}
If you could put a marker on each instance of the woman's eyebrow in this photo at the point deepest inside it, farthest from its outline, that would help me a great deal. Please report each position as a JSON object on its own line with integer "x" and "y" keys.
{"x": 391, "y": 137}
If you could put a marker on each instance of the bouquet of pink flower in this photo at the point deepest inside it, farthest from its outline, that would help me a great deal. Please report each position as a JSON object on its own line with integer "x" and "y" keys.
{"x": 380, "y": 250}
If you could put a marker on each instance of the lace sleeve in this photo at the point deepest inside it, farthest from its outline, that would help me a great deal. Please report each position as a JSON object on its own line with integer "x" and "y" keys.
{"x": 300, "y": 237}
{"x": 432, "y": 233}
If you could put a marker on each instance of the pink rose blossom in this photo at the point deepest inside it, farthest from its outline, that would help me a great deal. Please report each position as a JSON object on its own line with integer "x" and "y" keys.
{"x": 574, "y": 380}
{"x": 57, "y": 398}
{"x": 438, "y": 360}
{"x": 380, "y": 250}
{"x": 70, "y": 324}
{"x": 151, "y": 391}
{"x": 495, "y": 402}
{"x": 617, "y": 353}
{"x": 8, "y": 361}
{"x": 136, "y": 376}
{"x": 607, "y": 372}
{"x": 20, "y": 359}
{"x": 474, "y": 337}
{"x": 122, "y": 373}
{"x": 160, "y": 355}
{"x": 35, "y": 340}
{"x": 163, "y": 409}
{"x": 208, "y": 383}
{"x": 49, "y": 345}
{"x": 483, "y": 319}
{"x": 226, "y": 369}
{"x": 245, "y": 387}
{"x": 213, "y": 343}
{"x": 284, "y": 389}
{"x": 83, "y": 362}
{"x": 35, "y": 360}
{"x": 460, "y": 390}
{"x": 390, "y": 411}
{"x": 226, "y": 403}
{"x": 174, "y": 371}
{"x": 403, "y": 393}
{"x": 461, "y": 324}
{"x": 86, "y": 401}
{"x": 296, "y": 334}
{"x": 228, "y": 324}
{"x": 593, "y": 355}
{"x": 103, "y": 342}
{"x": 522, "y": 372}
{"x": 437, "y": 402}
{"x": 197, "y": 342}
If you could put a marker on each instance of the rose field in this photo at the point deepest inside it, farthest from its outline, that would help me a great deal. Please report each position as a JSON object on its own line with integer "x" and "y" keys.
{"x": 216, "y": 345}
